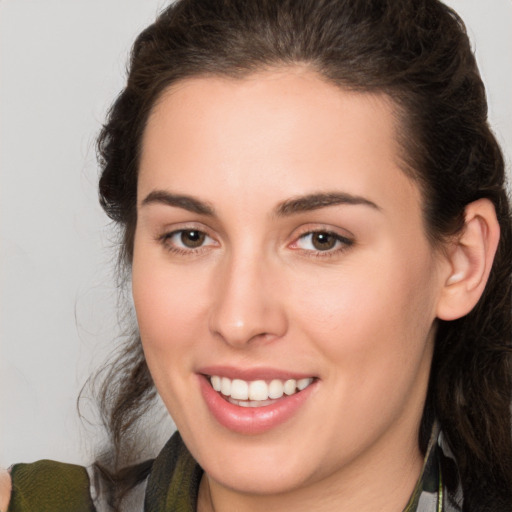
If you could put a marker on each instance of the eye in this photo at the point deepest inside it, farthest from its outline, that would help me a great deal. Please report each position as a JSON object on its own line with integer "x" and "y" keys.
{"x": 322, "y": 241}
{"x": 187, "y": 240}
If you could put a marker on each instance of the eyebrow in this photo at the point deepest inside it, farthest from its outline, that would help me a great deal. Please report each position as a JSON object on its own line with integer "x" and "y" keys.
{"x": 321, "y": 200}
{"x": 180, "y": 201}
{"x": 286, "y": 208}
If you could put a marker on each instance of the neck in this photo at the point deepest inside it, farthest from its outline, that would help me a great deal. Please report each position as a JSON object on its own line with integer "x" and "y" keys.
{"x": 386, "y": 487}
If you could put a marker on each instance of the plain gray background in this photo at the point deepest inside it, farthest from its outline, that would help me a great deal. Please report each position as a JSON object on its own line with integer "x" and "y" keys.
{"x": 61, "y": 65}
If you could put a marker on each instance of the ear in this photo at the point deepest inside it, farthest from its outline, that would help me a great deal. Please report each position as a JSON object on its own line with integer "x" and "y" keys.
{"x": 470, "y": 257}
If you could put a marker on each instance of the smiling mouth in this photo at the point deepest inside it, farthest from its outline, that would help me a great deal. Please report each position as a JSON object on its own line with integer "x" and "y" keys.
{"x": 257, "y": 393}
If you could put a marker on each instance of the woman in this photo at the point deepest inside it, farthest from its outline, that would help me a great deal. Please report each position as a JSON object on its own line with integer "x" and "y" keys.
{"x": 315, "y": 220}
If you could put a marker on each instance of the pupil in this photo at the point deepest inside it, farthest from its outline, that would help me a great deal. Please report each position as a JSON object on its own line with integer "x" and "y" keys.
{"x": 323, "y": 241}
{"x": 192, "y": 238}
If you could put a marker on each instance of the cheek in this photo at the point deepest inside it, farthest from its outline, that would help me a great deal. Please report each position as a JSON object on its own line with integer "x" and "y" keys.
{"x": 373, "y": 320}
{"x": 169, "y": 304}
{"x": 169, "y": 310}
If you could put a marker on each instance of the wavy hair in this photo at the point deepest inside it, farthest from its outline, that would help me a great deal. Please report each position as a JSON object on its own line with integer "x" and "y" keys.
{"x": 418, "y": 54}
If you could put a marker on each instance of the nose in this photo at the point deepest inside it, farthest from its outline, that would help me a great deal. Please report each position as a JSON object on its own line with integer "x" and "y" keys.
{"x": 248, "y": 305}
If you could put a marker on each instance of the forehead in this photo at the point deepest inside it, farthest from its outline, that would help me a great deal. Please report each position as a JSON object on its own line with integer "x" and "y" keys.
{"x": 283, "y": 130}
{"x": 280, "y": 103}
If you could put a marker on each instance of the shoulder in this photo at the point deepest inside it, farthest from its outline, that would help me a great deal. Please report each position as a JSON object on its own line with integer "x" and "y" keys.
{"x": 5, "y": 489}
{"x": 50, "y": 485}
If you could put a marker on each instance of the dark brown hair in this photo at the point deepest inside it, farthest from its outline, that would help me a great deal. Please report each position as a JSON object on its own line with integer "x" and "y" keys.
{"x": 417, "y": 53}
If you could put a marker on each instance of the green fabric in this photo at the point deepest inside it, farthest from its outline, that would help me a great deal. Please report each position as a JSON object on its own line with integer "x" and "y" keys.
{"x": 429, "y": 482}
{"x": 173, "y": 484}
{"x": 48, "y": 486}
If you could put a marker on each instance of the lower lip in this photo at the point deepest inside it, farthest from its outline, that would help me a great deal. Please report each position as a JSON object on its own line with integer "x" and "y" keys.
{"x": 252, "y": 420}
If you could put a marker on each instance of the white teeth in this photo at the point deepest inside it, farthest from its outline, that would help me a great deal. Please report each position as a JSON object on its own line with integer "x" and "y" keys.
{"x": 251, "y": 403}
{"x": 275, "y": 389}
{"x": 216, "y": 382}
{"x": 225, "y": 386}
{"x": 304, "y": 383}
{"x": 290, "y": 386}
{"x": 239, "y": 389}
{"x": 258, "y": 390}
{"x": 257, "y": 393}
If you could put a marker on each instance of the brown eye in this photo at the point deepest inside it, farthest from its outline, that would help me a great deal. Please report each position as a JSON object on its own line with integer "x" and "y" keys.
{"x": 327, "y": 242}
{"x": 323, "y": 241}
{"x": 192, "y": 238}
{"x": 187, "y": 241}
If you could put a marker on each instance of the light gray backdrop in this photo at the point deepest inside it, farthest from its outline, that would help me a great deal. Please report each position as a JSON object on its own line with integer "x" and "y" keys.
{"x": 61, "y": 65}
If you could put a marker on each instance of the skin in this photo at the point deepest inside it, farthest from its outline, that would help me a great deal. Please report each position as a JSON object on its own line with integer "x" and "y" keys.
{"x": 5, "y": 489}
{"x": 359, "y": 317}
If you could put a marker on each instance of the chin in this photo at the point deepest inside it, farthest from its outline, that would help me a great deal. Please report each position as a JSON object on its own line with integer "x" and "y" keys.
{"x": 268, "y": 464}
{"x": 259, "y": 478}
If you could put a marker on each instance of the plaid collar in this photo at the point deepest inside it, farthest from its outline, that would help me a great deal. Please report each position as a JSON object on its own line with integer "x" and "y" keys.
{"x": 431, "y": 493}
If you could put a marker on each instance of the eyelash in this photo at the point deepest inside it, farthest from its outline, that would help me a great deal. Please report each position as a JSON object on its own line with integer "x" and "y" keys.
{"x": 166, "y": 238}
{"x": 343, "y": 243}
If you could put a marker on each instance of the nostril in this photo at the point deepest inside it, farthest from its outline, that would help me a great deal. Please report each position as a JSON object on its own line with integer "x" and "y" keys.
{"x": 245, "y": 307}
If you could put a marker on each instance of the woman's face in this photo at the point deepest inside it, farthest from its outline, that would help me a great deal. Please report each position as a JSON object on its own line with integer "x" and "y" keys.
{"x": 280, "y": 246}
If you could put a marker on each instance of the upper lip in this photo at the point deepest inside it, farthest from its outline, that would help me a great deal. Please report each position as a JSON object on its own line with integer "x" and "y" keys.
{"x": 251, "y": 374}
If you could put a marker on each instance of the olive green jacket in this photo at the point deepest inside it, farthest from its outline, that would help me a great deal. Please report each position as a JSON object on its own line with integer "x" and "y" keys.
{"x": 173, "y": 484}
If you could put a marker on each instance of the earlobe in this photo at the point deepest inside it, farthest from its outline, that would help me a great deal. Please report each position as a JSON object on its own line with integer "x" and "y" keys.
{"x": 470, "y": 257}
